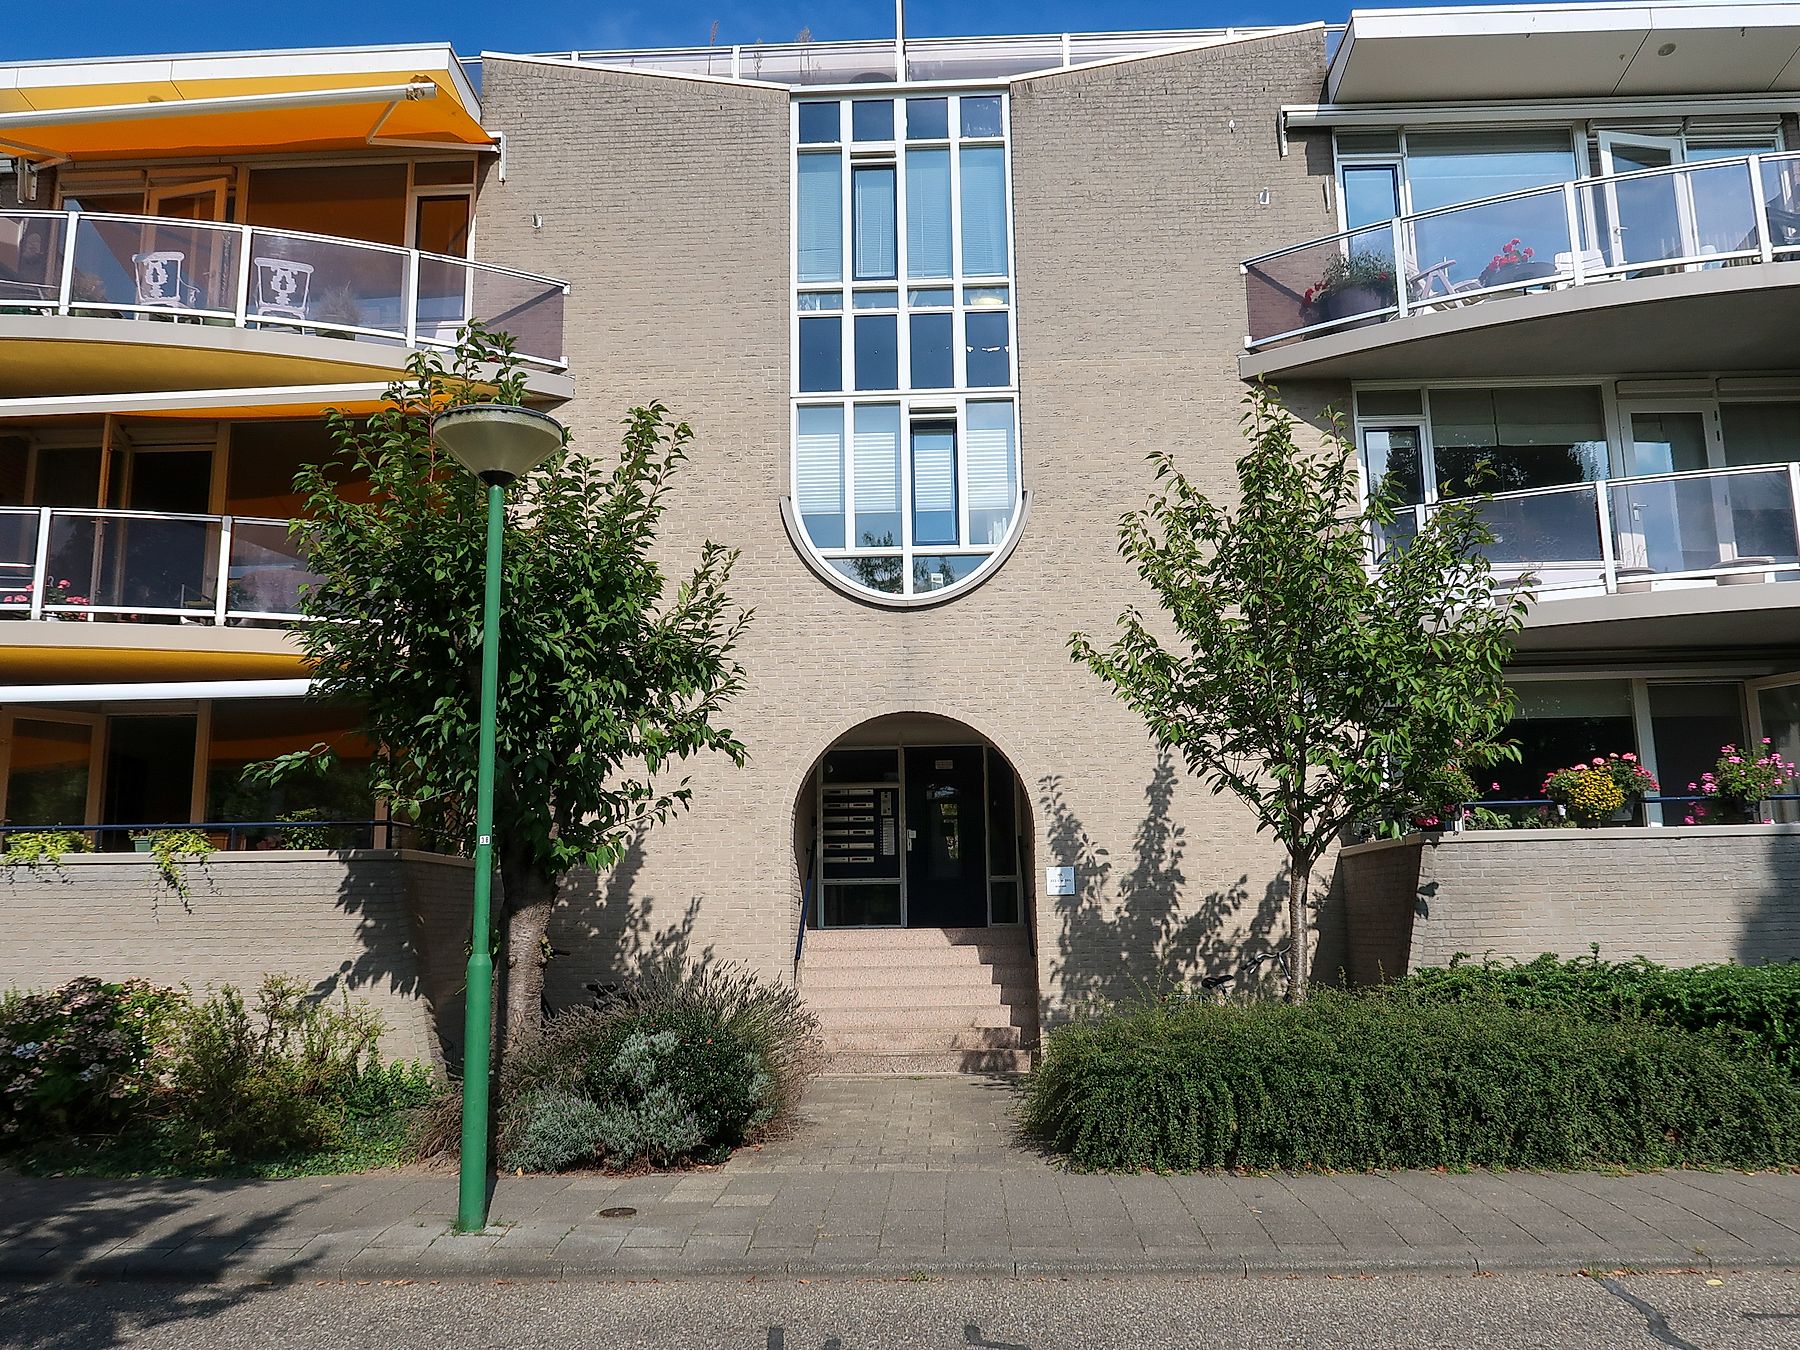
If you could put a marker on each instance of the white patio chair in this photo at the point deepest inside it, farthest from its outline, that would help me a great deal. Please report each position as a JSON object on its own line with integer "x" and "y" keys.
{"x": 159, "y": 283}
{"x": 1433, "y": 289}
{"x": 283, "y": 288}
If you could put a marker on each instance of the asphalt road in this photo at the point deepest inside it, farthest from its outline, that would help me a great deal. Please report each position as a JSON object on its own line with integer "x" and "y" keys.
{"x": 1679, "y": 1311}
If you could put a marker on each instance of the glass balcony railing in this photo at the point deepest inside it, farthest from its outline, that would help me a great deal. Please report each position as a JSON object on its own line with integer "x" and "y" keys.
{"x": 148, "y": 567}
{"x": 1691, "y": 217}
{"x": 1724, "y": 526}
{"x": 144, "y": 267}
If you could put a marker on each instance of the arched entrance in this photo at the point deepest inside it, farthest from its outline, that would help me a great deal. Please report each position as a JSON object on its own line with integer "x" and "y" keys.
{"x": 912, "y": 833}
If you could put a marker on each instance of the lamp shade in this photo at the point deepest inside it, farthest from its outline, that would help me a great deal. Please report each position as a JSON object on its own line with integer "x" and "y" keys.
{"x": 497, "y": 442}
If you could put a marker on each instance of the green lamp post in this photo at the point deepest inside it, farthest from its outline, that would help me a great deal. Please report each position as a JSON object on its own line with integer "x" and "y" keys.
{"x": 498, "y": 443}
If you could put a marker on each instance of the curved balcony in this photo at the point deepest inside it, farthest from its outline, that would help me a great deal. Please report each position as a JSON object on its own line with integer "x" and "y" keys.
{"x": 1573, "y": 263}
{"x": 100, "y": 566}
{"x": 207, "y": 275}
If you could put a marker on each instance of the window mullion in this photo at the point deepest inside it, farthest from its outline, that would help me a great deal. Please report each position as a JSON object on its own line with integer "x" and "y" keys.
{"x": 959, "y": 346}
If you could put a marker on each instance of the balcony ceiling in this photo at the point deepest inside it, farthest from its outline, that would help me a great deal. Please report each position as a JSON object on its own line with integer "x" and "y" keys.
{"x": 1743, "y": 620}
{"x": 237, "y": 103}
{"x": 1729, "y": 319}
{"x": 1566, "y": 51}
{"x": 71, "y": 653}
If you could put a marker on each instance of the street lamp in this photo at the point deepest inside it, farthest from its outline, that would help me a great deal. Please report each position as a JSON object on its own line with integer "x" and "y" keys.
{"x": 498, "y": 443}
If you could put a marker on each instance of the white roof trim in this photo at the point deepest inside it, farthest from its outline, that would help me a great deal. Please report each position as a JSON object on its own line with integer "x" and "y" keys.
{"x": 1531, "y": 110}
{"x": 159, "y": 691}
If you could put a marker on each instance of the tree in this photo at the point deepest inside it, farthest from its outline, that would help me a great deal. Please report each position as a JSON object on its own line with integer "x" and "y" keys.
{"x": 606, "y": 678}
{"x": 1318, "y": 689}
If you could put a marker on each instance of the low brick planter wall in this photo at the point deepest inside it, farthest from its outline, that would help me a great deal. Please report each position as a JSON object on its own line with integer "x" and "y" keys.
{"x": 386, "y": 926}
{"x": 1681, "y": 896}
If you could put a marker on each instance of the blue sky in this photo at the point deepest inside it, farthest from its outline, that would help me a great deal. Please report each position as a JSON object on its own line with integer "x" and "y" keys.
{"x": 45, "y": 29}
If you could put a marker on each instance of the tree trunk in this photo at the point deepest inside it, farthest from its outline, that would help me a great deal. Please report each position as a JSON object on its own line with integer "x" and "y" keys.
{"x": 530, "y": 896}
{"x": 1299, "y": 959}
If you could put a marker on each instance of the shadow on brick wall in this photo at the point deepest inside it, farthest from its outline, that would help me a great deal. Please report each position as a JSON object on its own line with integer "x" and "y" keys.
{"x": 1131, "y": 928}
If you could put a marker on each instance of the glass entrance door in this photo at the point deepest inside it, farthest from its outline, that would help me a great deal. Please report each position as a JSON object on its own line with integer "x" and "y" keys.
{"x": 1674, "y": 525}
{"x": 946, "y": 837}
{"x": 1651, "y": 218}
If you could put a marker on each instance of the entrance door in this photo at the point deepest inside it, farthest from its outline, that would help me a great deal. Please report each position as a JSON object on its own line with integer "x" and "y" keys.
{"x": 149, "y": 771}
{"x": 1651, "y": 218}
{"x": 946, "y": 837}
{"x": 1775, "y": 713}
{"x": 203, "y": 261}
{"x": 1674, "y": 525}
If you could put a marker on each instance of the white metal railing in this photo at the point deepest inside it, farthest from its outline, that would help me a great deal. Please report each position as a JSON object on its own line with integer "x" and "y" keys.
{"x": 129, "y": 566}
{"x": 148, "y": 267}
{"x": 1688, "y": 217}
{"x": 1725, "y": 526}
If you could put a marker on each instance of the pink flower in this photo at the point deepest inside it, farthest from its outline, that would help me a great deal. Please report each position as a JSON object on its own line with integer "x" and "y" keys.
{"x": 1693, "y": 787}
{"x": 1628, "y": 757}
{"x": 1601, "y": 762}
{"x": 1734, "y": 759}
{"x": 1687, "y": 820}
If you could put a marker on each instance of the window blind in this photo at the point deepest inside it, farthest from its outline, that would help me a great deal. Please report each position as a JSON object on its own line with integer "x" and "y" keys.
{"x": 983, "y": 211}
{"x": 989, "y": 453}
{"x": 872, "y": 222}
{"x": 819, "y": 462}
{"x": 928, "y": 213}
{"x": 820, "y": 229}
{"x": 934, "y": 473}
{"x": 876, "y": 447}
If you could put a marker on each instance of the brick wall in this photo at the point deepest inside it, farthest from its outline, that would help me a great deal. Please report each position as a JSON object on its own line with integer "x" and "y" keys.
{"x": 1678, "y": 896}
{"x": 665, "y": 203}
{"x": 390, "y": 928}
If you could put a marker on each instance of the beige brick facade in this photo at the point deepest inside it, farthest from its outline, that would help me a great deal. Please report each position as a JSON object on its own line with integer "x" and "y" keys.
{"x": 1136, "y": 190}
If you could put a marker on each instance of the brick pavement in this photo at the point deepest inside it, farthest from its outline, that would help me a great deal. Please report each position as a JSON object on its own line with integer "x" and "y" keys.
{"x": 893, "y": 1176}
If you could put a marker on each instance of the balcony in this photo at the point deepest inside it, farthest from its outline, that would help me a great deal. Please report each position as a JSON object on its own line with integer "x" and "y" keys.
{"x": 1550, "y": 280}
{"x": 249, "y": 278}
{"x": 106, "y": 566}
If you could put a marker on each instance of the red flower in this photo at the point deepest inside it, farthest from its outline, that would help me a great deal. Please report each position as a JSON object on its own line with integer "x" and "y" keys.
{"x": 1527, "y": 253}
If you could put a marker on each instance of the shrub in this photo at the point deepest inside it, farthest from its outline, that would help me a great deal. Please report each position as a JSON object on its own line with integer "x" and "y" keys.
{"x": 78, "y": 1060}
{"x": 1759, "y": 1005}
{"x": 1386, "y": 1080}
{"x": 672, "y": 1067}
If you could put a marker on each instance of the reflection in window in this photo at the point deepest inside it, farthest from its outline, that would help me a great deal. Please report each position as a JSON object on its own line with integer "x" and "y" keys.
{"x": 1557, "y": 723}
{"x": 1506, "y": 440}
{"x": 819, "y": 474}
{"x": 934, "y": 483}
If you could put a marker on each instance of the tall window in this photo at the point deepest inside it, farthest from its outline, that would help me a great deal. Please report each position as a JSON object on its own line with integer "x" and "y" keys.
{"x": 906, "y": 459}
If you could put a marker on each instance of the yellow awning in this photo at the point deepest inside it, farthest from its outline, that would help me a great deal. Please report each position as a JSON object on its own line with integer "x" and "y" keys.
{"x": 240, "y": 103}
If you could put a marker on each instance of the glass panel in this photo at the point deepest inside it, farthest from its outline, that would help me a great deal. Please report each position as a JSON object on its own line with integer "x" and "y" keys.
{"x": 149, "y": 778}
{"x": 68, "y": 476}
{"x": 1690, "y": 724}
{"x": 987, "y": 334}
{"x": 872, "y": 221}
{"x": 872, "y": 120}
{"x": 531, "y": 311}
{"x": 928, "y": 213}
{"x": 1003, "y": 841}
{"x": 431, "y": 174}
{"x": 882, "y": 574}
{"x": 1555, "y": 536}
{"x": 927, "y": 119}
{"x": 981, "y": 115}
{"x": 820, "y": 227}
{"x": 941, "y": 573}
{"x": 819, "y": 123}
{"x": 1517, "y": 242}
{"x": 1781, "y": 200}
{"x": 983, "y": 210}
{"x": 985, "y": 297}
{"x": 930, "y": 297}
{"x": 821, "y": 355}
{"x": 815, "y": 301}
{"x": 862, "y": 766}
{"x": 864, "y": 905}
{"x": 1330, "y": 281}
{"x": 877, "y": 351}
{"x": 1702, "y": 524}
{"x": 1003, "y": 902}
{"x": 1506, "y": 440}
{"x": 1388, "y": 403}
{"x": 441, "y": 224}
{"x": 47, "y": 774}
{"x": 1780, "y": 710}
{"x": 819, "y": 474}
{"x": 1558, "y": 723}
{"x": 162, "y": 265}
{"x": 1371, "y": 194}
{"x": 356, "y": 201}
{"x": 933, "y": 358}
{"x": 992, "y": 470}
{"x": 877, "y": 465}
{"x": 934, "y": 483}
{"x": 129, "y": 564}
{"x": 1391, "y": 459}
{"x": 1643, "y": 215}
{"x": 1760, "y": 433}
{"x": 1445, "y": 168}
{"x": 1668, "y": 442}
{"x": 1368, "y": 142}
{"x": 31, "y": 250}
{"x": 268, "y": 571}
{"x": 875, "y": 300}
{"x": 330, "y": 284}
{"x": 246, "y": 731}
{"x": 18, "y": 559}
{"x": 1724, "y": 210}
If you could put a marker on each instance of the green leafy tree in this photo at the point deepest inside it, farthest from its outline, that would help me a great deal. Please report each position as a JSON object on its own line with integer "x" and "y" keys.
{"x": 1287, "y": 670}
{"x": 608, "y": 677}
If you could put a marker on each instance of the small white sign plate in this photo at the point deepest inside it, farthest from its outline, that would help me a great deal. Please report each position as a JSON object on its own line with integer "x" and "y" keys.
{"x": 1059, "y": 881}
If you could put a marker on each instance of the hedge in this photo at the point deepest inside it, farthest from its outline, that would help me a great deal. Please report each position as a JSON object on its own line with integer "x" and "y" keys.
{"x": 1385, "y": 1080}
{"x": 1760, "y": 1004}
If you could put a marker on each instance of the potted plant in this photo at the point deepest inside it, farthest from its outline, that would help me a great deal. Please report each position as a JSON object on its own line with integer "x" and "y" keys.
{"x": 1739, "y": 784}
{"x": 1515, "y": 263}
{"x": 1353, "y": 283}
{"x": 1603, "y": 791}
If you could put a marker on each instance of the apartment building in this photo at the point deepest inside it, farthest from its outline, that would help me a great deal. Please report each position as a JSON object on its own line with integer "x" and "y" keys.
{"x": 928, "y": 304}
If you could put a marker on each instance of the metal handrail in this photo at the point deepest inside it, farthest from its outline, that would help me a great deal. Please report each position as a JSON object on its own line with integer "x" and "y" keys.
{"x": 1578, "y": 272}
{"x": 236, "y": 286}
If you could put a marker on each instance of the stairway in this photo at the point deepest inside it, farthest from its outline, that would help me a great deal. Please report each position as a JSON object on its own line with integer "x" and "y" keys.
{"x": 922, "y": 1000}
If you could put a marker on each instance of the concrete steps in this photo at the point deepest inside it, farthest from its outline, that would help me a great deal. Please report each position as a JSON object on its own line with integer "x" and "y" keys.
{"x": 922, "y": 1000}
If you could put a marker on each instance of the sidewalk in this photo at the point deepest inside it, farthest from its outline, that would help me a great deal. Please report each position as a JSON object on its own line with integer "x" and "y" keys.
{"x": 889, "y": 1177}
